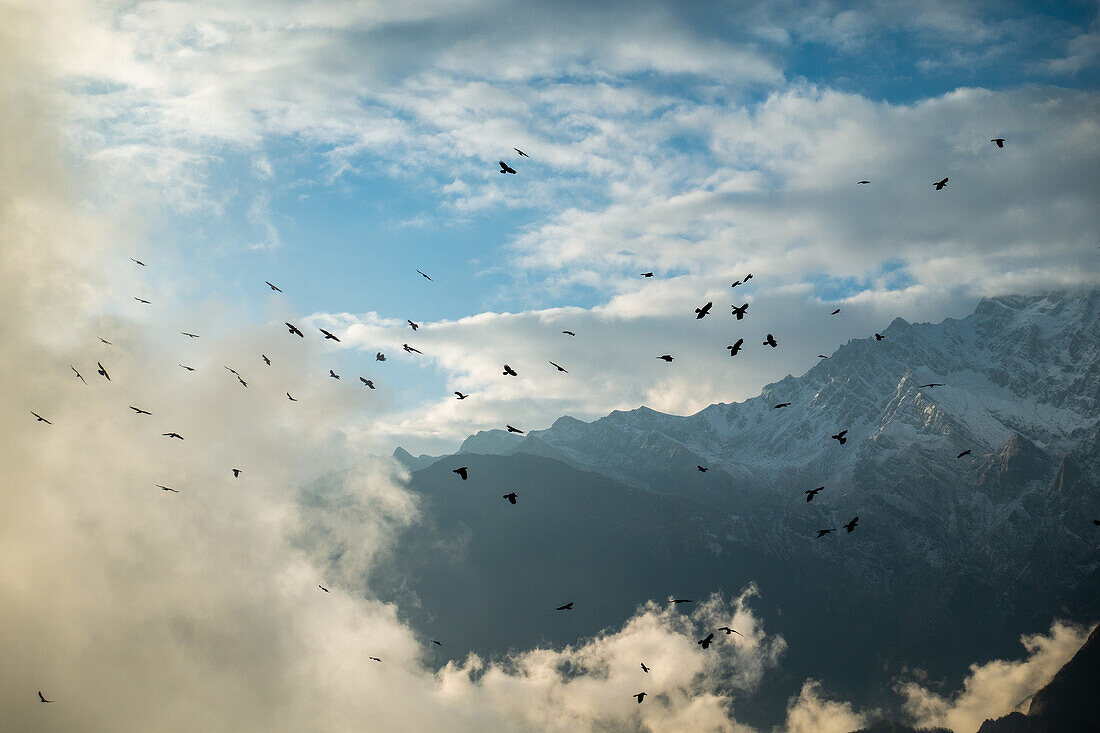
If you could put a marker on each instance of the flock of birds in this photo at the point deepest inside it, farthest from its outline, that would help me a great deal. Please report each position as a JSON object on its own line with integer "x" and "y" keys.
{"x": 739, "y": 312}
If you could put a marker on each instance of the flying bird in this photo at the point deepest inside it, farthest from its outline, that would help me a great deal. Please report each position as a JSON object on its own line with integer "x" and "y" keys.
{"x": 461, "y": 396}
{"x": 329, "y": 336}
{"x": 290, "y": 398}
{"x": 505, "y": 168}
{"x": 735, "y": 283}
{"x": 647, "y": 274}
{"x": 930, "y": 384}
{"x": 40, "y": 695}
{"x": 103, "y": 371}
{"x": 233, "y": 371}
{"x": 782, "y": 404}
{"x": 811, "y": 493}
{"x": 835, "y": 312}
{"x": 525, "y": 155}
{"x": 294, "y": 330}
{"x": 410, "y": 349}
{"x": 879, "y": 337}
{"x": 748, "y": 277}
{"x": 236, "y": 472}
{"x": 645, "y": 668}
{"x": 326, "y": 590}
{"x": 1000, "y": 141}
{"x": 739, "y": 311}
{"x": 964, "y": 453}
{"x": 705, "y": 641}
{"x": 40, "y": 418}
{"x": 560, "y": 368}
{"x": 463, "y": 472}
{"x": 333, "y": 374}
{"x": 702, "y": 312}
{"x": 367, "y": 382}
{"x": 379, "y": 356}
{"x": 569, "y": 333}
{"x": 850, "y": 526}
{"x": 940, "y": 185}
{"x": 666, "y": 357}
{"x": 640, "y": 696}
{"x": 513, "y": 430}
{"x": 858, "y": 183}
{"x": 413, "y": 326}
{"x": 510, "y": 497}
{"x": 104, "y": 340}
{"x": 266, "y": 360}
{"x": 172, "y": 435}
{"x": 142, "y": 300}
{"x": 273, "y": 287}
{"x": 736, "y": 347}
{"x": 140, "y": 411}
{"x": 822, "y": 532}
{"x": 822, "y": 356}
{"x": 729, "y": 631}
{"x": 190, "y": 335}
{"x": 770, "y": 341}
{"x": 509, "y": 371}
{"x": 82, "y": 379}
{"x": 424, "y": 276}
{"x": 188, "y": 368}
{"x": 138, "y": 262}
{"x": 162, "y": 487}
{"x": 243, "y": 383}
{"x": 839, "y": 437}
{"x": 436, "y": 642}
{"x": 566, "y": 607}
{"x": 702, "y": 469}
{"x": 681, "y": 600}
{"x": 375, "y": 659}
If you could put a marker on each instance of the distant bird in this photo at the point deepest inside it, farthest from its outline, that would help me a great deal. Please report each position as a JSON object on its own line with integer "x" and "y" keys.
{"x": 640, "y": 696}
{"x": 513, "y": 430}
{"x": 770, "y": 341}
{"x": 879, "y": 337}
{"x": 509, "y": 371}
{"x": 410, "y": 349}
{"x": 104, "y": 340}
{"x": 510, "y": 497}
{"x": 525, "y": 155}
{"x": 78, "y": 374}
{"x": 379, "y": 356}
{"x": 560, "y": 368}
{"x": 782, "y": 404}
{"x": 681, "y": 600}
{"x": 964, "y": 453}
{"x": 190, "y": 335}
{"x": 243, "y": 383}
{"x": 505, "y": 168}
{"x": 736, "y": 347}
{"x": 647, "y": 274}
{"x": 277, "y": 290}
{"x": 375, "y": 659}
{"x": 823, "y": 532}
{"x": 811, "y": 493}
{"x": 702, "y": 469}
{"x": 40, "y": 695}
{"x": 436, "y": 642}
{"x": 930, "y": 384}
{"x": 140, "y": 411}
{"x": 1000, "y": 143}
{"x": 666, "y": 357}
{"x": 172, "y": 435}
{"x": 413, "y": 326}
{"x": 326, "y": 590}
{"x": 290, "y": 398}
{"x": 142, "y": 300}
{"x": 729, "y": 631}
{"x": 233, "y": 371}
{"x": 236, "y": 472}
{"x": 1096, "y": 522}
{"x": 702, "y": 312}
{"x": 461, "y": 396}
{"x": 103, "y": 371}
{"x": 739, "y": 311}
{"x": 138, "y": 261}
{"x": 424, "y": 276}
{"x": 40, "y": 418}
{"x": 822, "y": 356}
{"x": 566, "y": 607}
{"x": 645, "y": 668}
{"x": 940, "y": 185}
{"x": 188, "y": 368}
{"x": 859, "y": 183}
{"x": 463, "y": 472}
{"x": 167, "y": 488}
{"x": 748, "y": 277}
{"x": 839, "y": 437}
{"x": 329, "y": 336}
{"x": 333, "y": 374}
{"x": 266, "y": 360}
{"x": 850, "y": 526}
{"x": 367, "y": 382}
{"x": 705, "y": 641}
{"x": 294, "y": 330}
{"x": 735, "y": 283}
{"x": 835, "y": 312}
{"x": 569, "y": 333}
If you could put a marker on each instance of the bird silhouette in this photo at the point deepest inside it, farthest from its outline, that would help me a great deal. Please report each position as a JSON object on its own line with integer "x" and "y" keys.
{"x": 188, "y": 368}
{"x": 243, "y": 383}
{"x": 333, "y": 374}
{"x": 463, "y": 472}
{"x": 879, "y": 337}
{"x": 735, "y": 283}
{"x": 850, "y": 526}
{"x": 138, "y": 262}
{"x": 839, "y": 437}
{"x": 823, "y": 532}
{"x": 140, "y": 411}
{"x": 410, "y": 349}
{"x": 510, "y": 497}
{"x": 290, "y": 398}
{"x": 940, "y": 185}
{"x": 162, "y": 487}
{"x": 266, "y": 360}
{"x": 560, "y": 368}
{"x": 835, "y": 312}
{"x": 702, "y": 312}
{"x": 40, "y": 418}
{"x": 647, "y": 274}
{"x": 277, "y": 290}
{"x": 142, "y": 300}
{"x": 104, "y": 340}
{"x": 681, "y": 600}
{"x": 861, "y": 182}
{"x": 640, "y": 696}
{"x": 666, "y": 357}
{"x": 1096, "y": 522}
{"x": 525, "y": 155}
{"x": 770, "y": 341}
{"x": 822, "y": 356}
{"x": 705, "y": 641}
{"x": 436, "y": 642}
{"x": 329, "y": 336}
{"x": 569, "y": 333}
{"x": 294, "y": 330}
{"x": 645, "y": 668}
{"x": 367, "y": 382}
{"x": 172, "y": 435}
{"x": 509, "y": 371}
{"x": 78, "y": 374}
{"x": 930, "y": 384}
{"x": 748, "y": 277}
{"x": 233, "y": 371}
{"x": 40, "y": 695}
{"x": 782, "y": 404}
{"x": 505, "y": 168}
{"x": 461, "y": 396}
{"x": 375, "y": 659}
{"x": 412, "y": 325}
{"x": 190, "y": 335}
{"x": 964, "y": 453}
{"x": 379, "y": 356}
{"x": 729, "y": 631}
{"x": 513, "y": 430}
{"x": 326, "y": 590}
{"x": 1000, "y": 141}
{"x": 702, "y": 469}
{"x": 739, "y": 311}
{"x": 424, "y": 276}
{"x": 236, "y": 472}
{"x": 103, "y": 371}
{"x": 735, "y": 347}
{"x": 566, "y": 607}
{"x": 811, "y": 493}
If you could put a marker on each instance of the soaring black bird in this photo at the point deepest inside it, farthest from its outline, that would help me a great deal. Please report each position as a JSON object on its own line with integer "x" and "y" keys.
{"x": 835, "y": 312}
{"x": 1096, "y": 522}
{"x": 461, "y": 396}
{"x": 436, "y": 642}
{"x": 735, "y": 283}
{"x": 103, "y": 371}
{"x": 509, "y": 371}
{"x": 748, "y": 277}
{"x": 273, "y": 287}
{"x": 329, "y": 336}
{"x": 822, "y": 356}
{"x": 702, "y": 312}
{"x": 930, "y": 384}
{"x": 410, "y": 349}
{"x": 513, "y": 430}
{"x": 1000, "y": 141}
{"x": 424, "y": 276}
{"x": 879, "y": 337}
{"x": 640, "y": 696}
{"x": 839, "y": 437}
{"x": 782, "y": 404}
{"x": 266, "y": 360}
{"x": 510, "y": 497}
{"x": 243, "y": 383}
{"x": 861, "y": 182}
{"x": 140, "y": 411}
{"x": 569, "y": 333}
{"x": 770, "y": 341}
{"x": 379, "y": 356}
{"x": 560, "y": 368}
{"x": 940, "y": 185}
{"x": 525, "y": 155}
{"x": 82, "y": 379}
{"x": 645, "y": 668}
{"x": 190, "y": 335}
{"x": 850, "y": 526}
{"x": 188, "y": 368}
{"x": 681, "y": 600}
{"x": 333, "y": 374}
{"x": 294, "y": 330}
{"x": 162, "y": 487}
{"x": 736, "y": 347}
{"x": 823, "y": 532}
{"x": 647, "y": 274}
{"x": 290, "y": 398}
{"x": 40, "y": 418}
{"x": 729, "y": 631}
{"x": 138, "y": 262}
{"x": 412, "y": 325}
{"x": 367, "y": 382}
{"x": 964, "y": 453}
{"x": 375, "y": 659}
{"x": 566, "y": 607}
{"x": 323, "y": 588}
{"x": 40, "y": 695}
{"x": 236, "y": 472}
{"x": 463, "y": 472}
{"x": 666, "y": 357}
{"x": 702, "y": 469}
{"x": 705, "y": 641}
{"x": 104, "y": 340}
{"x": 172, "y": 435}
{"x": 811, "y": 493}
{"x": 739, "y": 311}
{"x": 142, "y": 300}
{"x": 234, "y": 371}
{"x": 505, "y": 168}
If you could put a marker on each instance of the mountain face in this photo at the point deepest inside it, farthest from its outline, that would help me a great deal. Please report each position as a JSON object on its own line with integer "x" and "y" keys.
{"x": 952, "y": 558}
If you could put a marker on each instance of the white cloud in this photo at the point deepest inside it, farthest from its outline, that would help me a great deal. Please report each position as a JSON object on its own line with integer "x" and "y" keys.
{"x": 810, "y": 712}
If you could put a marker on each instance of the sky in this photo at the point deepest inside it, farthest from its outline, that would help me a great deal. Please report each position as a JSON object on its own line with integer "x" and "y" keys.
{"x": 335, "y": 148}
